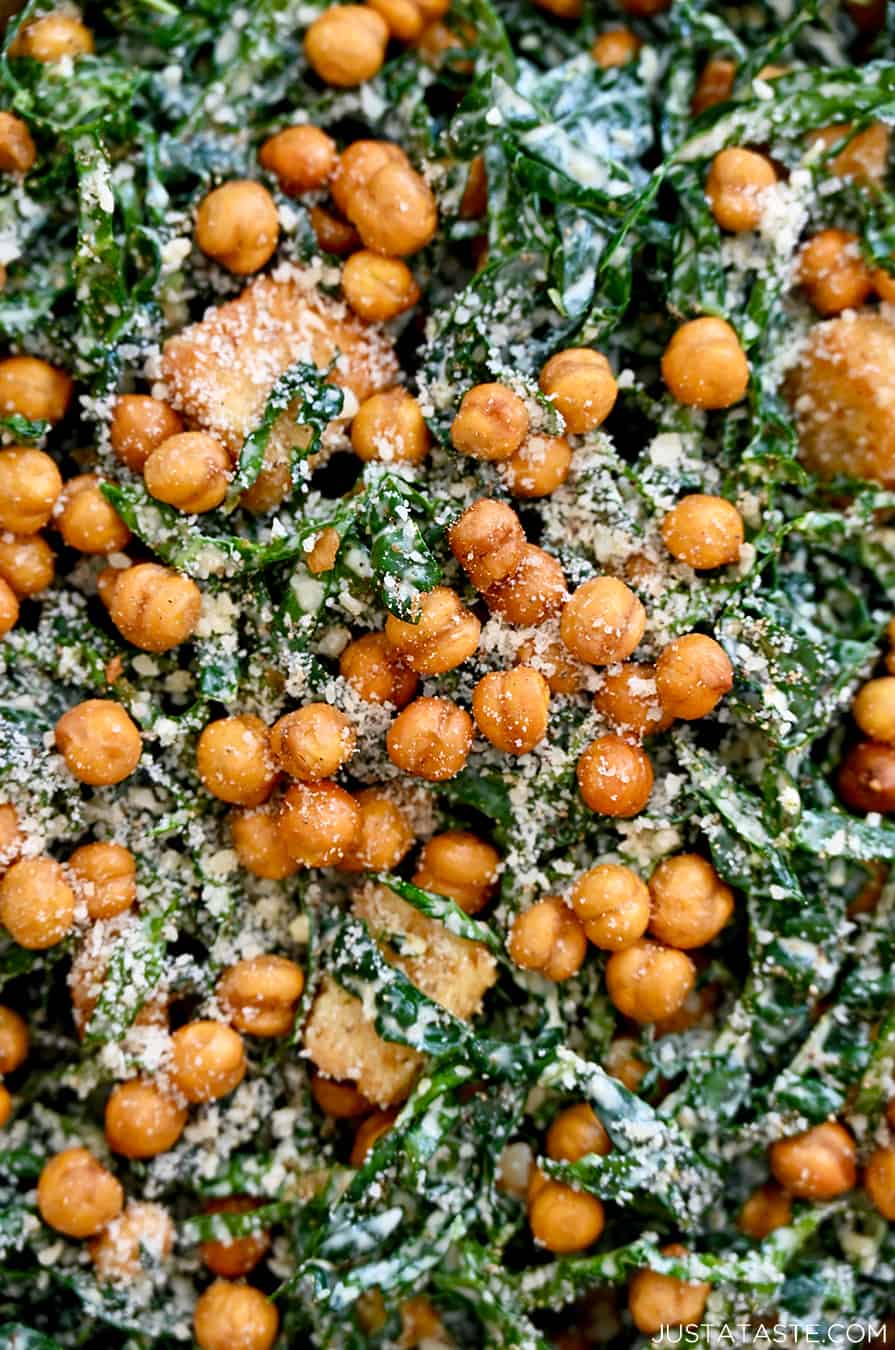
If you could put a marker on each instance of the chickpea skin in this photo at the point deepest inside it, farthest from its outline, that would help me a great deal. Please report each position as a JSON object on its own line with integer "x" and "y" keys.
{"x": 866, "y": 778}
{"x": 874, "y": 709}
{"x": 302, "y": 157}
{"x": 549, "y": 939}
{"x": 533, "y": 592}
{"x": 30, "y": 484}
{"x": 17, "y": 149}
{"x": 106, "y": 876}
{"x": 879, "y": 1181}
{"x": 9, "y": 608}
{"x": 714, "y": 86}
{"x": 385, "y": 835}
{"x": 140, "y": 1121}
{"x": 233, "y": 759}
{"x": 704, "y": 532}
{"x": 237, "y": 226}
{"x": 10, "y": 835}
{"x": 378, "y": 288}
{"x": 430, "y": 739}
{"x": 704, "y": 365}
{"x": 346, "y": 45}
{"x": 259, "y": 846}
{"x": 647, "y": 982}
{"x": 333, "y": 234}
{"x": 629, "y": 700}
{"x": 818, "y": 1164}
{"x": 190, "y": 471}
{"x": 207, "y": 1061}
{"x": 323, "y": 555}
{"x": 53, "y": 38}
{"x": 488, "y": 542}
{"x": 27, "y": 563}
{"x": 693, "y": 673}
{"x": 613, "y": 904}
{"x": 736, "y": 182}
{"x": 368, "y": 1134}
{"x": 615, "y": 47}
{"x": 37, "y": 905}
{"x": 319, "y": 823}
{"x": 512, "y": 709}
{"x": 459, "y": 865}
{"x": 445, "y": 635}
{"x": 14, "y": 1040}
{"x": 657, "y": 1301}
{"x": 86, "y": 520}
{"x": 153, "y": 607}
{"x": 767, "y": 1209}
{"x": 34, "y": 389}
{"x": 99, "y": 742}
{"x": 342, "y": 1101}
{"x": 564, "y": 1220}
{"x": 833, "y": 273}
{"x": 236, "y": 1256}
{"x": 260, "y": 994}
{"x": 491, "y": 423}
{"x": 579, "y": 383}
{"x": 312, "y": 742}
{"x": 376, "y": 673}
{"x": 602, "y": 622}
{"x": 390, "y": 205}
{"x": 575, "y": 1133}
{"x": 614, "y": 778}
{"x": 143, "y": 1229}
{"x": 76, "y": 1195}
{"x": 139, "y": 425}
{"x": 690, "y": 902}
{"x": 539, "y": 467}
{"x": 389, "y": 427}
{"x": 232, "y": 1316}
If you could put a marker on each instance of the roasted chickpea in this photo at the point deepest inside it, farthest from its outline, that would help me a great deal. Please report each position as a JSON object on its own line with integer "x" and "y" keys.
{"x": 233, "y": 1257}
{"x": 53, "y": 38}
{"x": 369, "y": 1132}
{"x": 17, "y": 149}
{"x": 319, "y": 823}
{"x": 690, "y": 902}
{"x": 564, "y": 1220}
{"x": 715, "y": 85}
{"x": 474, "y": 202}
{"x": 623, "y": 1063}
{"x": 430, "y": 739}
{"x": 383, "y": 196}
{"x": 374, "y": 670}
{"x": 312, "y": 742}
{"x": 615, "y": 47}
{"x": 14, "y": 1040}
{"x": 879, "y": 1181}
{"x": 139, "y": 425}
{"x": 27, "y": 563}
{"x": 190, "y": 471}
{"x": 602, "y": 622}
{"x": 512, "y": 708}
{"x": 302, "y": 157}
{"x": 76, "y": 1195}
{"x": 647, "y": 982}
{"x": 445, "y": 635}
{"x": 735, "y": 187}
{"x": 866, "y": 156}
{"x": 9, "y": 608}
{"x": 874, "y": 709}
{"x": 10, "y": 834}
{"x": 534, "y": 591}
{"x": 436, "y": 41}
{"x": 549, "y": 939}
{"x": 562, "y": 672}
{"x": 30, "y": 483}
{"x": 341, "y": 1100}
{"x": 334, "y": 235}
{"x": 657, "y": 1301}
{"x": 703, "y": 531}
{"x": 581, "y": 386}
{"x": 461, "y": 866}
{"x": 234, "y": 761}
{"x": 389, "y": 427}
{"x": 86, "y": 520}
{"x": 491, "y": 423}
{"x": 488, "y": 542}
{"x": 575, "y": 1133}
{"x": 140, "y": 1121}
{"x": 818, "y": 1164}
{"x": 615, "y": 778}
{"x": 385, "y": 835}
{"x": 36, "y": 390}
{"x": 420, "y": 1324}
{"x": 259, "y": 846}
{"x": 539, "y": 466}
{"x": 767, "y": 1209}
{"x": 704, "y": 365}
{"x": 237, "y": 226}
{"x": 142, "y": 1230}
{"x": 693, "y": 673}
{"x": 99, "y": 742}
{"x": 207, "y": 1061}
{"x": 884, "y": 285}
{"x": 234, "y": 1317}
{"x": 378, "y": 288}
{"x": 325, "y": 550}
{"x": 613, "y": 904}
{"x": 37, "y": 905}
{"x": 346, "y": 44}
{"x": 628, "y": 699}
{"x": 260, "y": 994}
{"x": 105, "y": 875}
{"x": 153, "y": 607}
{"x": 6, "y": 1105}
{"x": 832, "y": 272}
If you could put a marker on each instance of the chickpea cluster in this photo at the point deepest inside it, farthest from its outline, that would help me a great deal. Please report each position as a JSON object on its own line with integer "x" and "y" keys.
{"x": 866, "y": 777}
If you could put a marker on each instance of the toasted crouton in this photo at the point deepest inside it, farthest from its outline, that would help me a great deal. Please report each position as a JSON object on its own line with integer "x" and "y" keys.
{"x": 343, "y": 1043}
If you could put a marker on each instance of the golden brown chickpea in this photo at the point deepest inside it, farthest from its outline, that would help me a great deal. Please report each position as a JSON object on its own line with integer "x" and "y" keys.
{"x": 615, "y": 47}
{"x": 34, "y": 389}
{"x": 575, "y": 1133}
{"x": 6, "y": 1105}
{"x": 99, "y": 742}
{"x": 53, "y": 38}
{"x": 231, "y": 1258}
{"x": 378, "y": 288}
{"x": 340, "y": 1100}
{"x": 562, "y": 672}
{"x": 767, "y": 1209}
{"x": 385, "y": 835}
{"x": 533, "y": 592}
{"x": 628, "y": 699}
{"x": 10, "y": 834}
{"x": 76, "y": 1195}
{"x": 491, "y": 423}
{"x": 512, "y": 708}
{"x": 190, "y": 471}
{"x": 657, "y": 1301}
{"x": 703, "y": 531}
{"x": 549, "y": 939}
{"x": 237, "y": 225}
{"x": 866, "y": 156}
{"x": 488, "y": 542}
{"x": 334, "y": 235}
{"x": 420, "y": 1324}
{"x": 564, "y": 1220}
{"x": 436, "y": 41}
{"x": 139, "y": 425}
{"x": 37, "y": 905}
{"x": 818, "y": 1164}
{"x": 259, "y": 995}
{"x": 693, "y": 673}
{"x": 884, "y": 285}
{"x": 538, "y": 467}
{"x": 690, "y": 902}
{"x": 312, "y": 742}
{"x": 461, "y": 866}
{"x": 303, "y": 158}
{"x": 389, "y": 427}
{"x": 153, "y": 607}
{"x": 613, "y": 904}
{"x": 234, "y": 1317}
{"x": 346, "y": 45}
{"x": 736, "y": 182}
{"x": 602, "y": 622}
{"x": 140, "y": 1121}
{"x": 30, "y": 484}
{"x": 142, "y": 1231}
{"x": 105, "y": 875}
{"x": 579, "y": 383}
{"x": 430, "y": 739}
{"x": 647, "y": 982}
{"x": 17, "y": 149}
{"x": 704, "y": 365}
{"x": 86, "y": 520}
{"x": 874, "y": 709}
{"x": 233, "y": 759}
{"x": 879, "y": 1181}
{"x": 446, "y": 634}
{"x": 375, "y": 672}
{"x": 369, "y": 1132}
{"x": 13, "y": 1040}
{"x": 207, "y": 1061}
{"x": 387, "y": 201}
{"x": 9, "y": 608}
{"x": 319, "y": 823}
{"x": 614, "y": 778}
{"x": 715, "y": 85}
{"x": 27, "y": 563}
{"x": 832, "y": 272}
{"x": 258, "y": 845}
{"x": 623, "y": 1063}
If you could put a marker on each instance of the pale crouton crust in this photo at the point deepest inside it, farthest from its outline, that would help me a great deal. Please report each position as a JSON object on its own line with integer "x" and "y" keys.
{"x": 344, "y": 1044}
